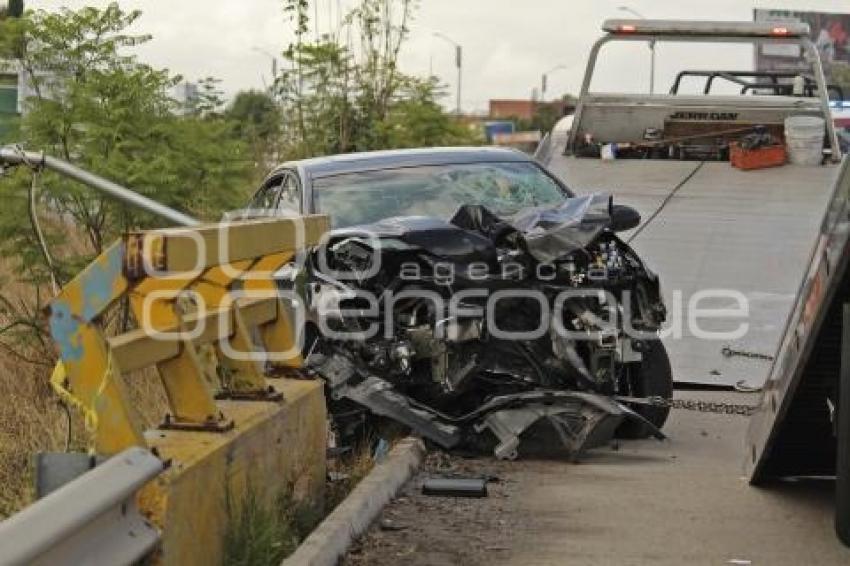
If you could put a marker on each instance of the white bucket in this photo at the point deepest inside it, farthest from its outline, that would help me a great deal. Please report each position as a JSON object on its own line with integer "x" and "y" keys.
{"x": 804, "y": 137}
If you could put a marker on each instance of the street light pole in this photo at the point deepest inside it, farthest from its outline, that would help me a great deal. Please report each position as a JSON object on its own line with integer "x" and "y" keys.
{"x": 458, "y": 64}
{"x": 273, "y": 60}
{"x": 652, "y": 67}
{"x": 651, "y": 48}
{"x": 544, "y": 83}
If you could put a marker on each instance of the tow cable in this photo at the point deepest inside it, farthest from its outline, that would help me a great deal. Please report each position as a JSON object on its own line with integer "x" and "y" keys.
{"x": 665, "y": 202}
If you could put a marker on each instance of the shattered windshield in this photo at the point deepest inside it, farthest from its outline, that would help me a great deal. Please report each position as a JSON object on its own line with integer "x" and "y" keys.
{"x": 438, "y": 191}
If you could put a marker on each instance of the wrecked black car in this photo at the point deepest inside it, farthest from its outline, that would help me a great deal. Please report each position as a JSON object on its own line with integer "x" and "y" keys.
{"x": 470, "y": 296}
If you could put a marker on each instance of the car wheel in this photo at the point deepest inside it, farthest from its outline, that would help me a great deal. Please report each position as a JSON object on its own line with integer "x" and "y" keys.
{"x": 652, "y": 377}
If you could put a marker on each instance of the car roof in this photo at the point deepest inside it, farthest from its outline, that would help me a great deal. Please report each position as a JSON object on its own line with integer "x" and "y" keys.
{"x": 319, "y": 167}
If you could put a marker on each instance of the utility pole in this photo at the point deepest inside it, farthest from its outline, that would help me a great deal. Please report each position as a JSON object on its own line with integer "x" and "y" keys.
{"x": 544, "y": 81}
{"x": 458, "y": 64}
{"x": 273, "y": 60}
{"x": 316, "y": 18}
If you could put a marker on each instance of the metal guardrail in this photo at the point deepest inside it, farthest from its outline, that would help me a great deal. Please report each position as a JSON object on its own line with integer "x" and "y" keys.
{"x": 91, "y": 520}
{"x": 17, "y": 156}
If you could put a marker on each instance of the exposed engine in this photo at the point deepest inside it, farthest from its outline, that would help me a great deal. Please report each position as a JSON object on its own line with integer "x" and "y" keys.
{"x": 453, "y": 327}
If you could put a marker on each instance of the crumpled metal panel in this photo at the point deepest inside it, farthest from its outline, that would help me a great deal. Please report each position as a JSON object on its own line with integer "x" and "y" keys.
{"x": 548, "y": 233}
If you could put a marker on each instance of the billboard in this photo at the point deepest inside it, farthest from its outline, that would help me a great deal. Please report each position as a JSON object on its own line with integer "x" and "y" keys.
{"x": 830, "y": 33}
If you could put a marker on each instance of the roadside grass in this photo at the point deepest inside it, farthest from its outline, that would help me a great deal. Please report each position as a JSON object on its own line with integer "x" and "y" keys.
{"x": 264, "y": 535}
{"x": 32, "y": 419}
{"x": 259, "y": 534}
{"x": 347, "y": 471}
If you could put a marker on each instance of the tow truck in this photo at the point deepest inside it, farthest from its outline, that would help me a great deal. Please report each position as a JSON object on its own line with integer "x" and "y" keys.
{"x": 776, "y": 240}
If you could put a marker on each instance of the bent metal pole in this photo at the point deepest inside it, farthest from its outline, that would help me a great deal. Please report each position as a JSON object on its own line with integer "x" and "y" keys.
{"x": 16, "y": 156}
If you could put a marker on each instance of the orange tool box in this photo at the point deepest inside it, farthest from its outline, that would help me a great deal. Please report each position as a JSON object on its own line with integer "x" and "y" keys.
{"x": 760, "y": 158}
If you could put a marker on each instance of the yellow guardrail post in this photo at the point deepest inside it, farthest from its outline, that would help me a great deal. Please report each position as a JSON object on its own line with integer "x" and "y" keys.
{"x": 87, "y": 366}
{"x": 170, "y": 276}
{"x": 280, "y": 335}
{"x": 210, "y": 318}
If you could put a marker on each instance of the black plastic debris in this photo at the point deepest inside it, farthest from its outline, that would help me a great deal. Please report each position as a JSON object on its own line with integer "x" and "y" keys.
{"x": 455, "y": 487}
{"x": 391, "y": 526}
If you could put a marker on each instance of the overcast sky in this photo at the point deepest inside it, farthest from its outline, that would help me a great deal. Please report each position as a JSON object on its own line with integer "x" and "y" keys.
{"x": 507, "y": 44}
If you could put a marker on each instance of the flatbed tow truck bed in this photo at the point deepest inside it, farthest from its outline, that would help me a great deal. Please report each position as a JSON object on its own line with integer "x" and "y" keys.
{"x": 710, "y": 226}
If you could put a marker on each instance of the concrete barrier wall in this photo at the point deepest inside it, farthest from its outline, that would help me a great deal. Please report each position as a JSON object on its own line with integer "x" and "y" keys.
{"x": 273, "y": 448}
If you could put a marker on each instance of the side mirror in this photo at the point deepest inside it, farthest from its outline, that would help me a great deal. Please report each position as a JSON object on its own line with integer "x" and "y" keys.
{"x": 624, "y": 218}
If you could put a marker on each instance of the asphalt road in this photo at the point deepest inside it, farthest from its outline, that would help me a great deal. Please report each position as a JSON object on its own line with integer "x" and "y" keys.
{"x": 683, "y": 501}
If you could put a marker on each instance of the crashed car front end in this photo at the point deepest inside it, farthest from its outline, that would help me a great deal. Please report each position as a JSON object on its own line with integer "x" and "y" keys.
{"x": 474, "y": 330}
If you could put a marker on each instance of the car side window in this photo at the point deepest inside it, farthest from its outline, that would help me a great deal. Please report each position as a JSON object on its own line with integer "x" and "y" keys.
{"x": 290, "y": 194}
{"x": 268, "y": 196}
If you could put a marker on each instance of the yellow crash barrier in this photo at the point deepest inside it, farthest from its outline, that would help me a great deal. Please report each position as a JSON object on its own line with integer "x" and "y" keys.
{"x": 210, "y": 317}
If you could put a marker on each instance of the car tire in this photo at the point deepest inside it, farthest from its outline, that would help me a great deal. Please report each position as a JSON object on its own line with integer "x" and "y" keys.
{"x": 652, "y": 377}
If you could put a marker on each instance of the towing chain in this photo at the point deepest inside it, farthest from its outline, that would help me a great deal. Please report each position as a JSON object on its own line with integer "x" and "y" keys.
{"x": 728, "y": 352}
{"x": 700, "y": 406}
{"x": 716, "y": 407}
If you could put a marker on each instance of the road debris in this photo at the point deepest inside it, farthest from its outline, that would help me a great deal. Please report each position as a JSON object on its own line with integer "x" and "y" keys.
{"x": 445, "y": 530}
{"x": 455, "y": 487}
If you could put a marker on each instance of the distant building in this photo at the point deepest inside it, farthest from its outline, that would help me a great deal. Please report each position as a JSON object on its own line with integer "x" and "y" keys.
{"x": 186, "y": 96}
{"x": 13, "y": 84}
{"x": 9, "y": 89}
{"x": 15, "y": 88}
{"x": 11, "y": 8}
{"x": 503, "y": 109}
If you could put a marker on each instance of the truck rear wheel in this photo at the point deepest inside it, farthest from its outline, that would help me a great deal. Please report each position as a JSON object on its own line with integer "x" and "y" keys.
{"x": 652, "y": 377}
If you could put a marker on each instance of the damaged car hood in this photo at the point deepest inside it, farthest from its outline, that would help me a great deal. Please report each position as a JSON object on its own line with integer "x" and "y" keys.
{"x": 546, "y": 233}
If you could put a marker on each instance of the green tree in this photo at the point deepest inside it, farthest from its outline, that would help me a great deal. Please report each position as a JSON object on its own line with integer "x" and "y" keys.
{"x": 416, "y": 119}
{"x": 352, "y": 95}
{"x": 255, "y": 113}
{"x": 257, "y": 120}
{"x": 97, "y": 106}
